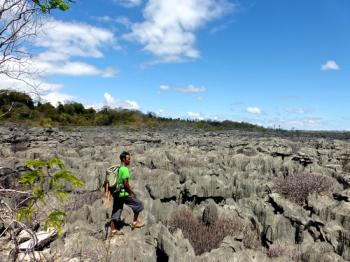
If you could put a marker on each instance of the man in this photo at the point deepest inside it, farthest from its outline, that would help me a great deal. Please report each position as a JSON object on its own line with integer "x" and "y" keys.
{"x": 125, "y": 196}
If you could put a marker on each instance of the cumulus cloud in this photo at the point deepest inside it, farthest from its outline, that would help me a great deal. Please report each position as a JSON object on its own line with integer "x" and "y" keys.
{"x": 54, "y": 98}
{"x": 168, "y": 29}
{"x": 254, "y": 110}
{"x": 64, "y": 41}
{"x": 112, "y": 102}
{"x": 191, "y": 89}
{"x": 330, "y": 65}
{"x": 74, "y": 39}
{"x": 128, "y": 3}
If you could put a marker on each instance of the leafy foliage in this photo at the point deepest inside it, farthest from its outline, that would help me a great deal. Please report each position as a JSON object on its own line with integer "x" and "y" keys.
{"x": 44, "y": 178}
{"x": 47, "y": 5}
{"x": 7, "y": 97}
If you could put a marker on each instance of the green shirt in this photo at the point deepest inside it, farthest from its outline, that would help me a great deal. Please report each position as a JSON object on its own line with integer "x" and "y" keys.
{"x": 123, "y": 175}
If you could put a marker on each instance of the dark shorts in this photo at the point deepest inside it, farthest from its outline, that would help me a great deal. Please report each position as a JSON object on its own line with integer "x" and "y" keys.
{"x": 118, "y": 203}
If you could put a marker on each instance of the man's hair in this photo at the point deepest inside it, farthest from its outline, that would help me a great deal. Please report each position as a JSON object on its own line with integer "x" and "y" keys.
{"x": 123, "y": 155}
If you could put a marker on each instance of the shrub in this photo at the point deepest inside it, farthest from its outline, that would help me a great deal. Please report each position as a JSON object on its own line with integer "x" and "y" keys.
{"x": 204, "y": 238}
{"x": 298, "y": 187}
{"x": 42, "y": 179}
{"x": 277, "y": 250}
{"x": 7, "y": 97}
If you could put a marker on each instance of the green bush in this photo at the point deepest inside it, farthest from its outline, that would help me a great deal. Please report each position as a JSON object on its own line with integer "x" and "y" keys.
{"x": 46, "y": 178}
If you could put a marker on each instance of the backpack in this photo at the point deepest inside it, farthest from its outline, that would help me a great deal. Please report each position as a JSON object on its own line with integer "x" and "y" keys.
{"x": 112, "y": 179}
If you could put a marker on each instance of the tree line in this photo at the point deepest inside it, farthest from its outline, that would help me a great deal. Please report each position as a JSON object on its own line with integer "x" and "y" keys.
{"x": 18, "y": 107}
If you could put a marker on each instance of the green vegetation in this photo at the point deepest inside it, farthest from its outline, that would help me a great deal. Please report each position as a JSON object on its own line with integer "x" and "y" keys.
{"x": 47, "y": 5}
{"x": 19, "y": 108}
{"x": 46, "y": 179}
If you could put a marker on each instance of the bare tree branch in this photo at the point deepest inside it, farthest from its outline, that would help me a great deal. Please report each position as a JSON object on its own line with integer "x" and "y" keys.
{"x": 5, "y": 190}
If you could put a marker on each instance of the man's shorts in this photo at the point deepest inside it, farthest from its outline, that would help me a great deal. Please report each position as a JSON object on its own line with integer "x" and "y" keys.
{"x": 118, "y": 203}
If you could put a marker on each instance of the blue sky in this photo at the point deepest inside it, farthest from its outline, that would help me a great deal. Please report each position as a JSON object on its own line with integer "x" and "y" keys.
{"x": 270, "y": 62}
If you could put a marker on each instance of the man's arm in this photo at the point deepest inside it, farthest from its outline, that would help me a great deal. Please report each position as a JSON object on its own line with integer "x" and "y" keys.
{"x": 128, "y": 188}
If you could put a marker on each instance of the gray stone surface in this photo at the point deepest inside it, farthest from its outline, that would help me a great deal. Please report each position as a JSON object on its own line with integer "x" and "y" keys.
{"x": 211, "y": 173}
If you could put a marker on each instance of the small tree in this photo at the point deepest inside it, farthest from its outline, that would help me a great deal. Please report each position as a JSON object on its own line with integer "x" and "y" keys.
{"x": 45, "y": 179}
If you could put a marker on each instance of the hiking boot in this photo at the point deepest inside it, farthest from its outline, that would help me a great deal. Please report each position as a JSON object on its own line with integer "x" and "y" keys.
{"x": 117, "y": 233}
{"x": 136, "y": 224}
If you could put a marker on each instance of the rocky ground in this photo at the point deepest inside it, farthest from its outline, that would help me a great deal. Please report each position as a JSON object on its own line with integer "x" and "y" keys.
{"x": 228, "y": 173}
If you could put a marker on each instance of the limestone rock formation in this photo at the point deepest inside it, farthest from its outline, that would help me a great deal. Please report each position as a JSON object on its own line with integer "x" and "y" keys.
{"x": 213, "y": 174}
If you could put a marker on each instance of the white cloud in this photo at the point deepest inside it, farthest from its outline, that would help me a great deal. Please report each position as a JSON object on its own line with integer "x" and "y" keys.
{"x": 330, "y": 65}
{"x": 128, "y": 3}
{"x": 168, "y": 31}
{"x": 109, "y": 100}
{"x": 60, "y": 43}
{"x": 38, "y": 89}
{"x": 307, "y": 122}
{"x": 123, "y": 20}
{"x": 54, "y": 98}
{"x": 195, "y": 115}
{"x": 191, "y": 89}
{"x": 72, "y": 69}
{"x": 74, "y": 39}
{"x": 304, "y": 123}
{"x": 162, "y": 113}
{"x": 63, "y": 41}
{"x": 31, "y": 84}
{"x": 112, "y": 102}
{"x": 254, "y": 110}
{"x": 104, "y": 18}
{"x": 164, "y": 88}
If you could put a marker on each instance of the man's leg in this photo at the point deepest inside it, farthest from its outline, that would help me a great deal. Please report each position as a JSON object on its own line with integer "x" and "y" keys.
{"x": 137, "y": 206}
{"x": 116, "y": 224}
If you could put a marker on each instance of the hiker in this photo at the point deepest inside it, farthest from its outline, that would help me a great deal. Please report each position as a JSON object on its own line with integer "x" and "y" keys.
{"x": 124, "y": 196}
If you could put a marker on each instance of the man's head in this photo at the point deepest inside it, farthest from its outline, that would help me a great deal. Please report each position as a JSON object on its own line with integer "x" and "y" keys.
{"x": 125, "y": 158}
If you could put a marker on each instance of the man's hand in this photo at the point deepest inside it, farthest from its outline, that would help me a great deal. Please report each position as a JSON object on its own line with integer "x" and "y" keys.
{"x": 128, "y": 189}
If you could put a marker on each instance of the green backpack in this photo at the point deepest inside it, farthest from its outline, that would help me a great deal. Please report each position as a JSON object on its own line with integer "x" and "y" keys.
{"x": 112, "y": 179}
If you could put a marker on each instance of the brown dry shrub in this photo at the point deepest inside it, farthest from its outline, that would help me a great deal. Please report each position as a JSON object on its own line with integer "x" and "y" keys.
{"x": 251, "y": 238}
{"x": 299, "y": 186}
{"x": 204, "y": 238}
{"x": 346, "y": 165}
{"x": 277, "y": 250}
